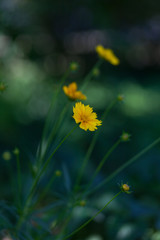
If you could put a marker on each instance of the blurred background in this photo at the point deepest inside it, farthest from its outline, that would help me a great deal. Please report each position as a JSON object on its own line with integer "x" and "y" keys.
{"x": 38, "y": 40}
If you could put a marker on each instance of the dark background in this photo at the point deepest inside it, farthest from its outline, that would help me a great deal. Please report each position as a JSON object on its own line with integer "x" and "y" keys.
{"x": 38, "y": 40}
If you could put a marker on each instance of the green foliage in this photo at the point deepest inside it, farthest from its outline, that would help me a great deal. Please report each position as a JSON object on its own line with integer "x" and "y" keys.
{"x": 54, "y": 179}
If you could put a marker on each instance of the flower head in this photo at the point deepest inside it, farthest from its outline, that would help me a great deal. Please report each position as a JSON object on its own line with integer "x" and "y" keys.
{"x": 72, "y": 93}
{"x": 86, "y": 117}
{"x": 107, "y": 54}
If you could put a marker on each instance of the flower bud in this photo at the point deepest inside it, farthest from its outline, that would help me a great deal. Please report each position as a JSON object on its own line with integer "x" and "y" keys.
{"x": 6, "y": 156}
{"x": 125, "y": 137}
{"x": 82, "y": 203}
{"x": 16, "y": 151}
{"x": 58, "y": 173}
{"x": 74, "y": 66}
{"x": 3, "y": 86}
{"x": 120, "y": 98}
{"x": 96, "y": 72}
{"x": 125, "y": 188}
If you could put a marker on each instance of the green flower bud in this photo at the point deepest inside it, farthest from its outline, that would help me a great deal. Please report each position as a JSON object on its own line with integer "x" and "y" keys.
{"x": 6, "y": 156}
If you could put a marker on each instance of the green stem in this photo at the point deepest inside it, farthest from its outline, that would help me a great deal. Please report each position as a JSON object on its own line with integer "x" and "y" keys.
{"x": 105, "y": 157}
{"x": 45, "y": 129}
{"x": 102, "y": 163}
{"x": 46, "y": 188}
{"x": 90, "y": 74}
{"x": 48, "y": 161}
{"x": 11, "y": 180}
{"x": 56, "y": 127}
{"x": 18, "y": 177}
{"x": 35, "y": 183}
{"x": 125, "y": 165}
{"x": 87, "y": 222}
{"x": 63, "y": 229}
{"x": 92, "y": 144}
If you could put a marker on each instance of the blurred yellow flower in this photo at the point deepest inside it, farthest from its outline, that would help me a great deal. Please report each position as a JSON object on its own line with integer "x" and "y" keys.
{"x": 72, "y": 93}
{"x": 107, "y": 54}
{"x": 86, "y": 117}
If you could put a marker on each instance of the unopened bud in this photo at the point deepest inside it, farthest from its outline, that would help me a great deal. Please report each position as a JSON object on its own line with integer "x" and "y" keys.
{"x": 74, "y": 66}
{"x": 82, "y": 203}
{"x": 96, "y": 72}
{"x": 125, "y": 188}
{"x": 125, "y": 137}
{"x": 3, "y": 86}
{"x": 16, "y": 151}
{"x": 6, "y": 156}
{"x": 120, "y": 98}
{"x": 58, "y": 173}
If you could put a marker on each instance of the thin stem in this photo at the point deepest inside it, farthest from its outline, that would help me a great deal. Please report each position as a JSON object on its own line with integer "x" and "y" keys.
{"x": 125, "y": 165}
{"x": 11, "y": 180}
{"x": 87, "y": 222}
{"x": 90, "y": 74}
{"x": 48, "y": 161}
{"x": 106, "y": 156}
{"x": 35, "y": 183}
{"x": 102, "y": 163}
{"x": 45, "y": 129}
{"x": 18, "y": 177}
{"x": 93, "y": 142}
{"x": 42, "y": 195}
{"x": 63, "y": 229}
{"x": 56, "y": 127}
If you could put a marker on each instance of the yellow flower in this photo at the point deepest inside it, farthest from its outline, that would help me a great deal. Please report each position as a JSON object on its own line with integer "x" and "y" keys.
{"x": 86, "y": 117}
{"x": 100, "y": 50}
{"x": 72, "y": 93}
{"x": 107, "y": 54}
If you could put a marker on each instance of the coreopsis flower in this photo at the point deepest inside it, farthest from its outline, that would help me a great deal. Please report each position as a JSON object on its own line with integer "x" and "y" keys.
{"x": 107, "y": 54}
{"x": 100, "y": 50}
{"x": 72, "y": 93}
{"x": 86, "y": 117}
